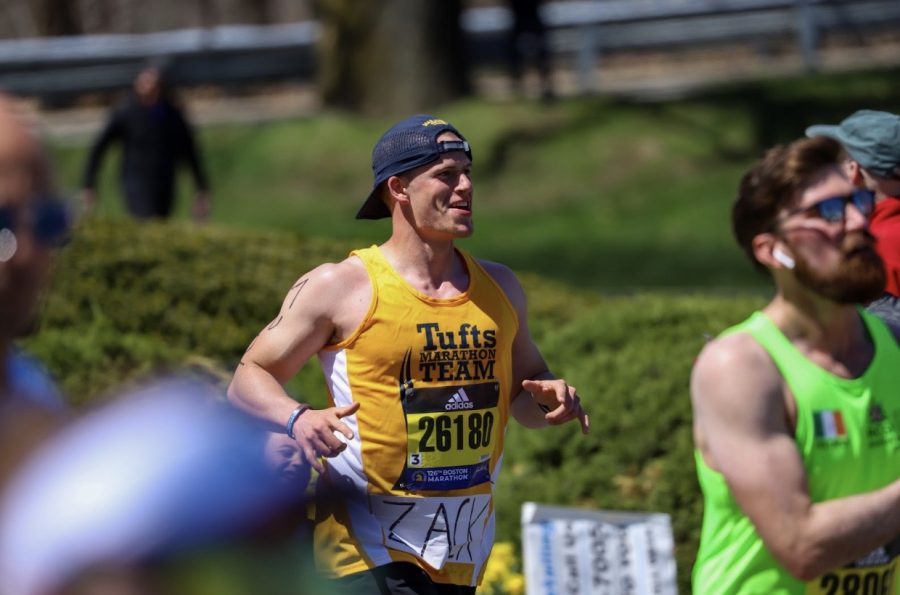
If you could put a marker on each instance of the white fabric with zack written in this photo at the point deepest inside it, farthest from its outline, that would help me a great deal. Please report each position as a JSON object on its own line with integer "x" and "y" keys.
{"x": 436, "y": 530}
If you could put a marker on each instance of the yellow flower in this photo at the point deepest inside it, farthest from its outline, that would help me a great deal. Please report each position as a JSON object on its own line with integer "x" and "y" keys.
{"x": 514, "y": 584}
{"x": 501, "y": 576}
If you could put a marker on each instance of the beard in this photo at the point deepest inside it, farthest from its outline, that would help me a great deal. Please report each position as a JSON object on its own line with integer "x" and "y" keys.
{"x": 859, "y": 279}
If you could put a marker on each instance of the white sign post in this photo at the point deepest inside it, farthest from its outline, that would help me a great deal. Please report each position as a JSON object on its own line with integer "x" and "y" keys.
{"x": 569, "y": 551}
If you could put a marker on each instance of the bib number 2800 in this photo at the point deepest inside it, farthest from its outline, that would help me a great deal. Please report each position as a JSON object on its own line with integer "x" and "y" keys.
{"x": 872, "y": 582}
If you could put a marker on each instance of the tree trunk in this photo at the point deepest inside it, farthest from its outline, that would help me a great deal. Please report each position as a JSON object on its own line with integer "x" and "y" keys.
{"x": 257, "y": 12}
{"x": 56, "y": 17}
{"x": 392, "y": 57}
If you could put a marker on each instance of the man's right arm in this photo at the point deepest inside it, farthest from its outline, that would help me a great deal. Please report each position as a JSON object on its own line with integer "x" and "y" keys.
{"x": 111, "y": 130}
{"x": 743, "y": 431}
{"x": 305, "y": 324}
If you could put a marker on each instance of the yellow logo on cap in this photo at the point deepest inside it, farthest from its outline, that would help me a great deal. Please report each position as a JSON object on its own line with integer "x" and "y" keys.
{"x": 434, "y": 122}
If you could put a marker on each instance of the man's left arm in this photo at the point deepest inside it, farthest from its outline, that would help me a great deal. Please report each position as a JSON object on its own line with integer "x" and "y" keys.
{"x": 540, "y": 398}
{"x": 190, "y": 152}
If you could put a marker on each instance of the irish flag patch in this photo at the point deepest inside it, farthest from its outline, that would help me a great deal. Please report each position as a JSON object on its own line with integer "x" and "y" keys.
{"x": 829, "y": 424}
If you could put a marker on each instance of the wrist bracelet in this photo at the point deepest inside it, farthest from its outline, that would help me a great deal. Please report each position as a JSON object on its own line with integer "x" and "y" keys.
{"x": 293, "y": 419}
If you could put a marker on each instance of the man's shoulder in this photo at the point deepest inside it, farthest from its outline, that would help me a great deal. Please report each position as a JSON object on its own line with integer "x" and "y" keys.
{"x": 125, "y": 105}
{"x": 732, "y": 362}
{"x": 732, "y": 349}
{"x": 343, "y": 275}
{"x": 502, "y": 274}
{"x": 506, "y": 280}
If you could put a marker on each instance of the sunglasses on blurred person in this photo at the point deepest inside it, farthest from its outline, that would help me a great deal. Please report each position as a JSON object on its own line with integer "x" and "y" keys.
{"x": 834, "y": 208}
{"x": 48, "y": 219}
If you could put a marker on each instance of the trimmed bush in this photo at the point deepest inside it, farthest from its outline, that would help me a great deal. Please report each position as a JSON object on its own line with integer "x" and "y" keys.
{"x": 130, "y": 298}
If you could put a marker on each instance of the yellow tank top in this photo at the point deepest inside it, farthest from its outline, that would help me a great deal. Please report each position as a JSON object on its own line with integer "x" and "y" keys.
{"x": 433, "y": 378}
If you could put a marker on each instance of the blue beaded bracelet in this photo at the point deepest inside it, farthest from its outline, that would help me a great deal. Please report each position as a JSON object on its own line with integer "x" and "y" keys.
{"x": 293, "y": 419}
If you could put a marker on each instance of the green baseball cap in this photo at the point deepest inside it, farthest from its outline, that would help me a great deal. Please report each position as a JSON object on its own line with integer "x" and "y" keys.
{"x": 870, "y": 137}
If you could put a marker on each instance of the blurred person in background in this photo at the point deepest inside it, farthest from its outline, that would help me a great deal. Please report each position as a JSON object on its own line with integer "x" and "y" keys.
{"x": 797, "y": 409}
{"x": 527, "y": 45}
{"x": 872, "y": 142}
{"x": 284, "y": 457}
{"x": 285, "y": 460}
{"x": 426, "y": 353}
{"x": 33, "y": 223}
{"x": 155, "y": 136}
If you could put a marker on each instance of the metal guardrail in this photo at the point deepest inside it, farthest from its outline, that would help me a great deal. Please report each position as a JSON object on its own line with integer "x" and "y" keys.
{"x": 578, "y": 30}
{"x": 62, "y": 66}
{"x": 583, "y": 30}
{"x": 63, "y": 50}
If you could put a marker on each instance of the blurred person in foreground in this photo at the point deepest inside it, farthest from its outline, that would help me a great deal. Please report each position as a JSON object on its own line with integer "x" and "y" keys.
{"x": 426, "y": 353}
{"x": 155, "y": 136}
{"x": 140, "y": 482}
{"x": 871, "y": 140}
{"x": 797, "y": 409}
{"x": 33, "y": 222}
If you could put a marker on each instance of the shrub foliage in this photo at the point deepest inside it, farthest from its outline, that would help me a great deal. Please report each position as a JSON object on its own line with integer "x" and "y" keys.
{"x": 129, "y": 299}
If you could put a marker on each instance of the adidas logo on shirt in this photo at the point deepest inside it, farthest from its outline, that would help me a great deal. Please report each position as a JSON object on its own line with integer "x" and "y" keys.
{"x": 459, "y": 400}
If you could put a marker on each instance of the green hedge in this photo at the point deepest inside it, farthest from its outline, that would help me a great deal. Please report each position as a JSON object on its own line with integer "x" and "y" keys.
{"x": 129, "y": 299}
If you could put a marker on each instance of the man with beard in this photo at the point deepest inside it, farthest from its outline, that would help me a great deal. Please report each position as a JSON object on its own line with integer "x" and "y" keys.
{"x": 32, "y": 224}
{"x": 796, "y": 410}
{"x": 872, "y": 141}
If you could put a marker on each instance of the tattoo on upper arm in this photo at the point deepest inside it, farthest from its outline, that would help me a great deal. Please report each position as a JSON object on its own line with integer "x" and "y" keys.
{"x": 299, "y": 285}
{"x": 251, "y": 343}
{"x": 297, "y": 288}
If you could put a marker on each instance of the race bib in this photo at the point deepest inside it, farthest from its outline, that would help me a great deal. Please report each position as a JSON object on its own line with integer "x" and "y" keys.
{"x": 435, "y": 530}
{"x": 450, "y": 435}
{"x": 875, "y": 574}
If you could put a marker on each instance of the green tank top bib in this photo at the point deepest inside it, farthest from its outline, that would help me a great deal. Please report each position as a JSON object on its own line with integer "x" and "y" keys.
{"x": 847, "y": 436}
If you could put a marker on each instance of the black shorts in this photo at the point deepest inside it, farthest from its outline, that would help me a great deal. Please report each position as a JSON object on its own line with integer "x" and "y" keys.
{"x": 396, "y": 578}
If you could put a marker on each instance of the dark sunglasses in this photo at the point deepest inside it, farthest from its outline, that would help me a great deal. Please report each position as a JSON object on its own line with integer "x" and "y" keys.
{"x": 834, "y": 209}
{"x": 48, "y": 219}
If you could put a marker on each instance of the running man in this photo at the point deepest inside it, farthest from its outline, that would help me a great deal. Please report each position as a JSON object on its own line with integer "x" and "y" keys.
{"x": 797, "y": 409}
{"x": 426, "y": 353}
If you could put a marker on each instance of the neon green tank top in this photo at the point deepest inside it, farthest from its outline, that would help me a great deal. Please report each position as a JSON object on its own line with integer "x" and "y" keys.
{"x": 847, "y": 435}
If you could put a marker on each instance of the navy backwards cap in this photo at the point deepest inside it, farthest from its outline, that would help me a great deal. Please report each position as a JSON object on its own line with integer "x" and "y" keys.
{"x": 406, "y": 145}
{"x": 870, "y": 137}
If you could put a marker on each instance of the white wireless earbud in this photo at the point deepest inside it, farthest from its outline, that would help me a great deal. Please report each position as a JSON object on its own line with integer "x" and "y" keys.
{"x": 782, "y": 257}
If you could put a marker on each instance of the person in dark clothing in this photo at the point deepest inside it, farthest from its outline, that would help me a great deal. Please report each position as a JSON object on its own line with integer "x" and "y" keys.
{"x": 155, "y": 137}
{"x": 527, "y": 44}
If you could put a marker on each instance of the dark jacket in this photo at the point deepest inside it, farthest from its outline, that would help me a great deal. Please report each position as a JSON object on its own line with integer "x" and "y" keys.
{"x": 154, "y": 139}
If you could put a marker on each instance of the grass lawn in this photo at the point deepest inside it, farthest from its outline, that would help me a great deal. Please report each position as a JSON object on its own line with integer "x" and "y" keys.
{"x": 605, "y": 194}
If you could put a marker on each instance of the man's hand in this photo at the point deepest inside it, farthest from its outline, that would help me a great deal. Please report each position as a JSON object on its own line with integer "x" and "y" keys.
{"x": 200, "y": 209}
{"x": 559, "y": 400}
{"x": 315, "y": 433}
{"x": 88, "y": 200}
